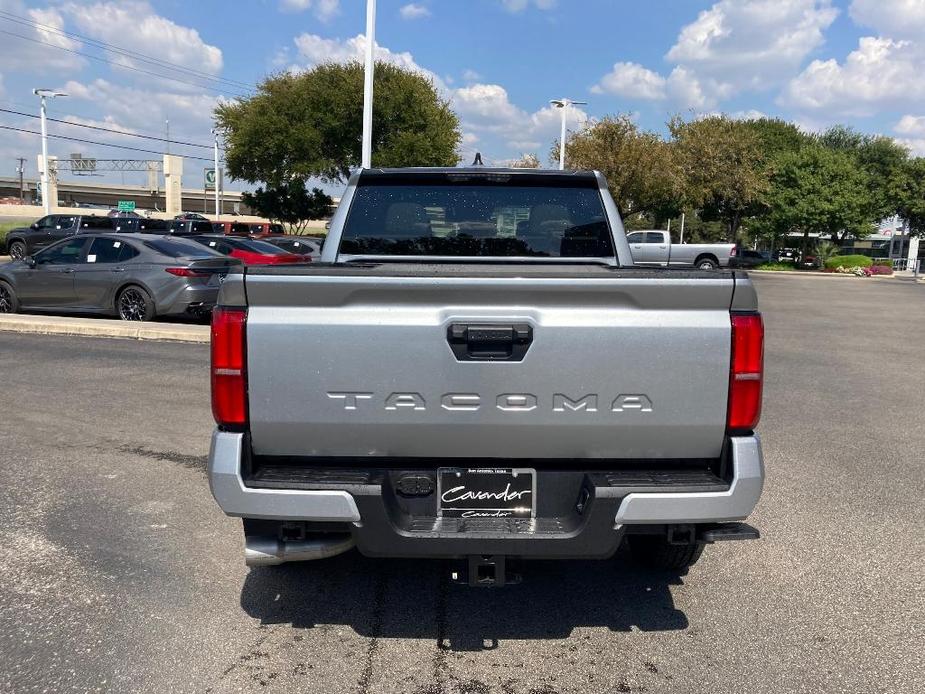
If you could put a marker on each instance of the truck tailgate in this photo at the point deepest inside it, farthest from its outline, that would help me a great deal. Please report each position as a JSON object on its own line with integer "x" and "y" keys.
{"x": 357, "y": 362}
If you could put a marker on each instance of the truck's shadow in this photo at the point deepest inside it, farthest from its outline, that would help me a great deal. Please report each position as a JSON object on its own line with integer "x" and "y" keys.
{"x": 415, "y": 599}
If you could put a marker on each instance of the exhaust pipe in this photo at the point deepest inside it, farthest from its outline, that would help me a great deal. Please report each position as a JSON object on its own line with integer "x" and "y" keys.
{"x": 260, "y": 550}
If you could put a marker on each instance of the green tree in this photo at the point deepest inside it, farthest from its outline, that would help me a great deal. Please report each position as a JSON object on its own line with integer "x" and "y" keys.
{"x": 725, "y": 170}
{"x": 819, "y": 190}
{"x": 300, "y": 126}
{"x": 290, "y": 203}
{"x": 912, "y": 196}
{"x": 640, "y": 168}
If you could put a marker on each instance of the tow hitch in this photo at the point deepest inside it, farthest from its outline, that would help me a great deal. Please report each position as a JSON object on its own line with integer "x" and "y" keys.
{"x": 486, "y": 571}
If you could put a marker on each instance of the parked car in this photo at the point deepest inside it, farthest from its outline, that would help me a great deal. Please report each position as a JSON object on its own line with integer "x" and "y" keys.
{"x": 123, "y": 214}
{"x": 746, "y": 258}
{"x": 266, "y": 229}
{"x": 300, "y": 245}
{"x": 231, "y": 228}
{"x": 133, "y": 276}
{"x": 54, "y": 227}
{"x": 654, "y": 247}
{"x": 142, "y": 225}
{"x": 787, "y": 255}
{"x": 188, "y": 216}
{"x": 250, "y": 251}
{"x": 186, "y": 227}
{"x": 481, "y": 394}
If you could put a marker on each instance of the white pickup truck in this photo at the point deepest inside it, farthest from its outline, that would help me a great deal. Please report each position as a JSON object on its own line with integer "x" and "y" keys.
{"x": 654, "y": 247}
{"x": 491, "y": 379}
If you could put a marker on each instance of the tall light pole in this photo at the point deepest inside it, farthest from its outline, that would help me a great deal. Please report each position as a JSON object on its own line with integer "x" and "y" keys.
{"x": 218, "y": 208}
{"x": 367, "y": 158}
{"x": 563, "y": 105}
{"x": 43, "y": 94}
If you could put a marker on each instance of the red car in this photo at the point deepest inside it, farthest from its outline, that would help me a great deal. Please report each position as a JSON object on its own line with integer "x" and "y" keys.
{"x": 250, "y": 251}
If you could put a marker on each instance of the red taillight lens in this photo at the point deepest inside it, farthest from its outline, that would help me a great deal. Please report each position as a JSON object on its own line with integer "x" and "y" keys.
{"x": 229, "y": 372}
{"x": 185, "y": 272}
{"x": 733, "y": 251}
{"x": 746, "y": 374}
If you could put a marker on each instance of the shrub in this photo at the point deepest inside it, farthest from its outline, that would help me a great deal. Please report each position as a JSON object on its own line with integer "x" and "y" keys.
{"x": 776, "y": 267}
{"x": 849, "y": 261}
{"x": 883, "y": 262}
{"x": 881, "y": 269}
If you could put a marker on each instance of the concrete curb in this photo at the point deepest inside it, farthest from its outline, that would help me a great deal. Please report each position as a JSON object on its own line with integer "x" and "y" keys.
{"x": 99, "y": 327}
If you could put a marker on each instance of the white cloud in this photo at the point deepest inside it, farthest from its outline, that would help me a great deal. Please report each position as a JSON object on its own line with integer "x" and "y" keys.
{"x": 413, "y": 11}
{"x": 31, "y": 49}
{"x": 325, "y": 10}
{"x": 151, "y": 35}
{"x": 733, "y": 46}
{"x": 896, "y": 18}
{"x": 521, "y": 5}
{"x": 632, "y": 80}
{"x": 753, "y": 44}
{"x": 314, "y": 49}
{"x": 880, "y": 74}
{"x": 911, "y": 125}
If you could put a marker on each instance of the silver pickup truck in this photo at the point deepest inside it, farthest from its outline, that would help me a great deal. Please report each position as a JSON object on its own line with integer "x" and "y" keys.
{"x": 654, "y": 247}
{"x": 491, "y": 379}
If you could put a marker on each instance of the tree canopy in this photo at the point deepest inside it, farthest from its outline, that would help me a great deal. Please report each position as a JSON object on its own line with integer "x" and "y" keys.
{"x": 309, "y": 125}
{"x": 290, "y": 202}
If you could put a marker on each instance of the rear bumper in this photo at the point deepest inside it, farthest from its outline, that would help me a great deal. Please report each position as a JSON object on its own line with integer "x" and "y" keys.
{"x": 190, "y": 299}
{"x": 364, "y": 503}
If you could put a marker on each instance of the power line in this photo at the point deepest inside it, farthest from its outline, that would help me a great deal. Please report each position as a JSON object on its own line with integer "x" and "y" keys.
{"x": 107, "y": 130}
{"x": 115, "y": 64}
{"x": 159, "y": 62}
{"x": 93, "y": 142}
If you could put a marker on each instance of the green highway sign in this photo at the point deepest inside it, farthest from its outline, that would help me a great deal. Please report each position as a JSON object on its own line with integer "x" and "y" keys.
{"x": 126, "y": 206}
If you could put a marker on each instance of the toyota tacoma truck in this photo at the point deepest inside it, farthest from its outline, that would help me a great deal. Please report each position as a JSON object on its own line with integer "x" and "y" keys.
{"x": 491, "y": 379}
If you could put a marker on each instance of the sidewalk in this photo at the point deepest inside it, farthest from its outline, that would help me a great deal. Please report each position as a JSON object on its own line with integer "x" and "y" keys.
{"x": 103, "y": 327}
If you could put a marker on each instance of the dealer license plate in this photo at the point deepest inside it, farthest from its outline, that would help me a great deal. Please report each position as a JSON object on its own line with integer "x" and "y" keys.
{"x": 486, "y": 492}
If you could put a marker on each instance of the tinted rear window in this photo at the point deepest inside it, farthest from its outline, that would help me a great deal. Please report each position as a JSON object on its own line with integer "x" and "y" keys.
{"x": 97, "y": 223}
{"x": 455, "y": 219}
{"x": 176, "y": 248}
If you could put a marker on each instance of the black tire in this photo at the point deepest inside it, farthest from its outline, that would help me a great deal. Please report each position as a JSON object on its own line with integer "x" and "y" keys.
{"x": 706, "y": 264}
{"x": 654, "y": 552}
{"x": 17, "y": 250}
{"x": 134, "y": 303}
{"x": 8, "y": 301}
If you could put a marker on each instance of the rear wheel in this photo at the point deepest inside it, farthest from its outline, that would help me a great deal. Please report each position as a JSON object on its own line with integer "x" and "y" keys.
{"x": 706, "y": 264}
{"x": 8, "y": 301}
{"x": 655, "y": 552}
{"x": 134, "y": 303}
{"x": 17, "y": 250}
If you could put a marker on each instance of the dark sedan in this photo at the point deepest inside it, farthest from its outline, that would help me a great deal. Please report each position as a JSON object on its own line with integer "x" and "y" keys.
{"x": 746, "y": 258}
{"x": 51, "y": 228}
{"x": 133, "y": 276}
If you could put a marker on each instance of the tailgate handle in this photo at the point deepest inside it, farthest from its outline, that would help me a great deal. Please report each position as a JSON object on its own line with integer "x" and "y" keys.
{"x": 489, "y": 342}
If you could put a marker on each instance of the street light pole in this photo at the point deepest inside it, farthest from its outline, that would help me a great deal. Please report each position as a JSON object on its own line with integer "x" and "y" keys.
{"x": 367, "y": 158}
{"x": 42, "y": 94}
{"x": 563, "y": 105}
{"x": 218, "y": 208}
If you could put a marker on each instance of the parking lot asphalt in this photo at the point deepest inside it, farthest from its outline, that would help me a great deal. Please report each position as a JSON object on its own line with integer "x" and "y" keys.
{"x": 118, "y": 572}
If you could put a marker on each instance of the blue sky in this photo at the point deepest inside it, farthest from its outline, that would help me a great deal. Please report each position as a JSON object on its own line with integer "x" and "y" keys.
{"x": 816, "y": 62}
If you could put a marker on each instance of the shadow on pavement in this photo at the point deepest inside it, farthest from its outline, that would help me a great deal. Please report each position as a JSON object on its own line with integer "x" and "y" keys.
{"x": 416, "y": 599}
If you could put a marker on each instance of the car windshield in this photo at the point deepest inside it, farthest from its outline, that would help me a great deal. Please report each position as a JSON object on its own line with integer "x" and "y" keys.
{"x": 477, "y": 219}
{"x": 256, "y": 246}
{"x": 175, "y": 248}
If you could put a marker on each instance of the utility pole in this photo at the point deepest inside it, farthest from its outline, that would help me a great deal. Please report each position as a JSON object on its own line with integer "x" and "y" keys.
{"x": 21, "y": 169}
{"x": 218, "y": 207}
{"x": 367, "y": 158}
{"x": 563, "y": 105}
{"x": 43, "y": 94}
{"x": 167, "y": 124}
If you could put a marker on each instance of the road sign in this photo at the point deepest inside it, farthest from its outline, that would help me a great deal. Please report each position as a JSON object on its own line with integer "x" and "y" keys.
{"x": 126, "y": 206}
{"x": 209, "y": 175}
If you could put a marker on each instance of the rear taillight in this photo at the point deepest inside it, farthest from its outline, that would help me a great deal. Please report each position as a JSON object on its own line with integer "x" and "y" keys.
{"x": 185, "y": 272}
{"x": 732, "y": 252}
{"x": 746, "y": 374}
{"x": 229, "y": 372}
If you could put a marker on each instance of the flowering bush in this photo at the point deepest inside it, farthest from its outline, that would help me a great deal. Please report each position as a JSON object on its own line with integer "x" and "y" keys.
{"x": 881, "y": 270}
